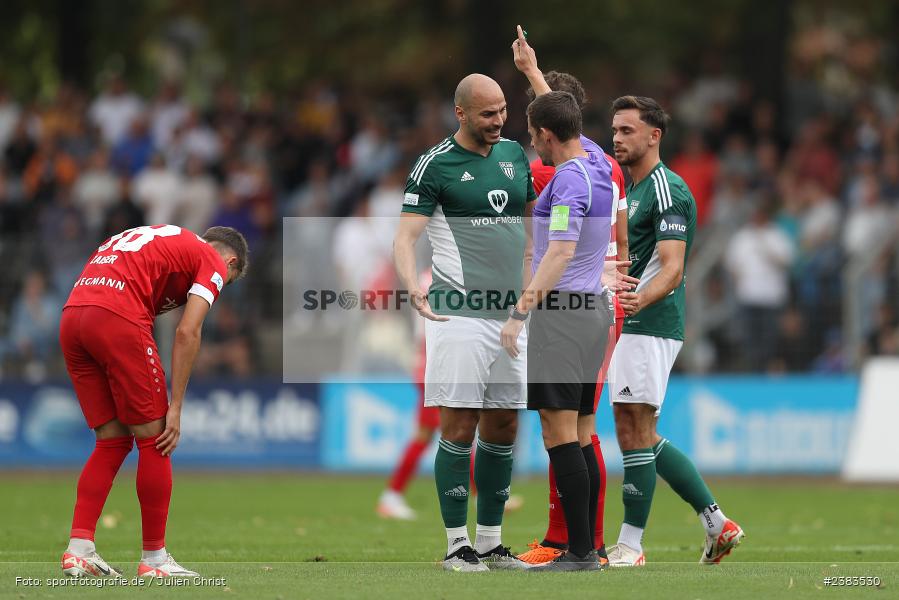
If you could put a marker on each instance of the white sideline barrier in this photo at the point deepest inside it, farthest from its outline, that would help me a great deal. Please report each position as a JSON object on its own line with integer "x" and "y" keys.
{"x": 873, "y": 452}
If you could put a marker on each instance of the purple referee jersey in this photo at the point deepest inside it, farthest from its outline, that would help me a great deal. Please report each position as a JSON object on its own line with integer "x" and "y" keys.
{"x": 576, "y": 205}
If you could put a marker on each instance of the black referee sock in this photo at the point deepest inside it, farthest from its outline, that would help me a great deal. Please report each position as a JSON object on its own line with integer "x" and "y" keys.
{"x": 593, "y": 472}
{"x": 573, "y": 482}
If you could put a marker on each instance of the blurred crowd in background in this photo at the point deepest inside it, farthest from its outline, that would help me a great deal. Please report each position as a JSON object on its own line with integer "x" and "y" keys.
{"x": 794, "y": 267}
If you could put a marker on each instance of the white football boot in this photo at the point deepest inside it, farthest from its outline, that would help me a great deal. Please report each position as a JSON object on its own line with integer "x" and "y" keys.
{"x": 89, "y": 565}
{"x": 169, "y": 568}
{"x": 622, "y": 555}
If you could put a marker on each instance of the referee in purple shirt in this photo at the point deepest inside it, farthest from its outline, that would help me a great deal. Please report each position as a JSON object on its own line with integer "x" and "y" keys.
{"x": 571, "y": 310}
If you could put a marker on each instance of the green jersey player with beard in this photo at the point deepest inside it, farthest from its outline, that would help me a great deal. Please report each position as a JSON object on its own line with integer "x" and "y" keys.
{"x": 661, "y": 224}
{"x": 471, "y": 193}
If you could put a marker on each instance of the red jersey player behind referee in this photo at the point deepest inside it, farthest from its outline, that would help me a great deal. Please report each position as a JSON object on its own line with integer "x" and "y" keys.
{"x": 556, "y": 538}
{"x": 106, "y": 334}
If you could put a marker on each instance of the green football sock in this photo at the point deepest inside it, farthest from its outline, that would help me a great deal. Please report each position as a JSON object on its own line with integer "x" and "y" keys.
{"x": 451, "y": 473}
{"x": 673, "y": 466}
{"x": 493, "y": 477}
{"x": 639, "y": 485}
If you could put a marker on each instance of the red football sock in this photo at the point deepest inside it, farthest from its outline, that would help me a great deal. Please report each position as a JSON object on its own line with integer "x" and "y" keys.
{"x": 154, "y": 490}
{"x": 557, "y": 532}
{"x": 95, "y": 483}
{"x": 598, "y": 540}
{"x": 408, "y": 465}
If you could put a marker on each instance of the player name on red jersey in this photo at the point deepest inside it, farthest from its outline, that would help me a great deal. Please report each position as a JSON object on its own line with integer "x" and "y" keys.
{"x": 104, "y": 260}
{"x": 113, "y": 283}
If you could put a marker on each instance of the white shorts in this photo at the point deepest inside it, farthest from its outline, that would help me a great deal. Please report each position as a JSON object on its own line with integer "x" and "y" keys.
{"x": 641, "y": 364}
{"x": 468, "y": 368}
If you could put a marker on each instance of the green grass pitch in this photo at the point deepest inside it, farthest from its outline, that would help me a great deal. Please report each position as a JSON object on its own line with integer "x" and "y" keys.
{"x": 287, "y": 536}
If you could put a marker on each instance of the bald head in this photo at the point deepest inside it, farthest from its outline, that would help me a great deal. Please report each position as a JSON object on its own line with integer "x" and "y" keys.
{"x": 481, "y": 111}
{"x": 477, "y": 90}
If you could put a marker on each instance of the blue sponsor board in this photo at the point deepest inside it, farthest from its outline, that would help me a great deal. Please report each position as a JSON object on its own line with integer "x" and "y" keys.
{"x": 366, "y": 423}
{"x": 796, "y": 424}
{"x": 247, "y": 424}
{"x": 728, "y": 425}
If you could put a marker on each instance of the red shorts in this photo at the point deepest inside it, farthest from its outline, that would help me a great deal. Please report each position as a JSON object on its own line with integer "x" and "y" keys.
{"x": 610, "y": 348}
{"x": 114, "y": 366}
{"x": 428, "y": 416}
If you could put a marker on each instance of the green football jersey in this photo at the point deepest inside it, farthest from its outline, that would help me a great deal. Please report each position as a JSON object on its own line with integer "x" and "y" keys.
{"x": 660, "y": 207}
{"x": 476, "y": 204}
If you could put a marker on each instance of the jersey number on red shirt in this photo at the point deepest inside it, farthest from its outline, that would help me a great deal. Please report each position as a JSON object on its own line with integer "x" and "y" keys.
{"x": 132, "y": 240}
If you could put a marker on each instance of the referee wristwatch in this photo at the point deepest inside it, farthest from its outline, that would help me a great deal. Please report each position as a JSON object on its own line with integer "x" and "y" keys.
{"x": 518, "y": 316}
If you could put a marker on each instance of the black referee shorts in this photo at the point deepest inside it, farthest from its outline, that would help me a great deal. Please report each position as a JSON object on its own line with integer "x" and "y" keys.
{"x": 566, "y": 346}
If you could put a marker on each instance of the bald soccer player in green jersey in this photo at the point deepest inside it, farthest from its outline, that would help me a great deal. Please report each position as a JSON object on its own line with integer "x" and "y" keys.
{"x": 661, "y": 224}
{"x": 470, "y": 193}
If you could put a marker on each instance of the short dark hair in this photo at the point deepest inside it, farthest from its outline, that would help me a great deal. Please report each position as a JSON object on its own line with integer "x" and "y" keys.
{"x": 557, "y": 112}
{"x": 234, "y": 241}
{"x": 651, "y": 112}
{"x": 563, "y": 82}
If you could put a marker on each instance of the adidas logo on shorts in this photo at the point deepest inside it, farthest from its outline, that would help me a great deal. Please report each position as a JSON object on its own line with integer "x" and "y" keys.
{"x": 505, "y": 493}
{"x": 626, "y": 392}
{"x": 457, "y": 492}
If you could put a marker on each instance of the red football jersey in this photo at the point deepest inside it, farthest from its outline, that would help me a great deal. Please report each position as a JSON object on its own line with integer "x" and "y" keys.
{"x": 541, "y": 174}
{"x": 146, "y": 271}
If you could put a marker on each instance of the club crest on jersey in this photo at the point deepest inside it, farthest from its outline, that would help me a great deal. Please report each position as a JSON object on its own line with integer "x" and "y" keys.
{"x": 508, "y": 169}
{"x": 635, "y": 204}
{"x": 498, "y": 199}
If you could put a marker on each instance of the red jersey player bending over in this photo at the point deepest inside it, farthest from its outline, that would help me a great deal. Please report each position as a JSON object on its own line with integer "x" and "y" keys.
{"x": 106, "y": 334}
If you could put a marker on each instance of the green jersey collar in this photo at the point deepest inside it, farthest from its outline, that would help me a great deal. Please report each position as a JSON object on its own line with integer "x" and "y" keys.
{"x": 461, "y": 148}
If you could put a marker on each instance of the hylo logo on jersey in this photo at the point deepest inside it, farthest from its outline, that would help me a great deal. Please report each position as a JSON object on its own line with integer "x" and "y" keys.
{"x": 673, "y": 226}
{"x": 217, "y": 280}
{"x": 410, "y": 199}
{"x": 498, "y": 199}
{"x": 508, "y": 169}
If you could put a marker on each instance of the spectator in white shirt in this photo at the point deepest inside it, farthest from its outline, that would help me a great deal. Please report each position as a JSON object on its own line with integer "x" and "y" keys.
{"x": 199, "y": 192}
{"x": 157, "y": 191}
{"x": 758, "y": 259}
{"x": 113, "y": 111}
{"x": 96, "y": 191}
{"x": 168, "y": 112}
